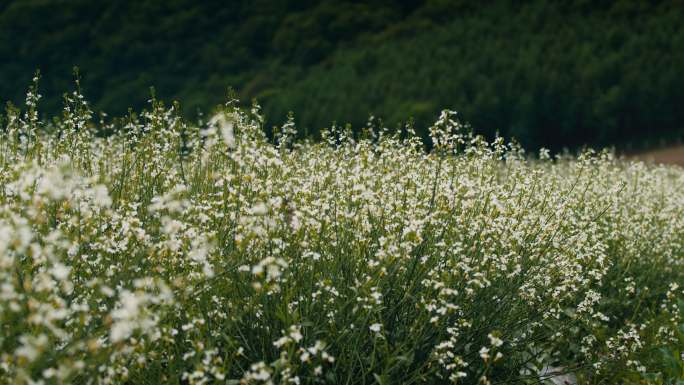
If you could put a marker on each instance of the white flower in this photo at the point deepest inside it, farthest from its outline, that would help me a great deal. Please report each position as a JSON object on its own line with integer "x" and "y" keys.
{"x": 495, "y": 341}
{"x": 31, "y": 347}
{"x": 484, "y": 353}
{"x": 120, "y": 331}
{"x": 375, "y": 328}
{"x": 295, "y": 333}
{"x": 259, "y": 209}
{"x": 60, "y": 271}
{"x": 101, "y": 196}
{"x": 281, "y": 341}
{"x": 225, "y": 127}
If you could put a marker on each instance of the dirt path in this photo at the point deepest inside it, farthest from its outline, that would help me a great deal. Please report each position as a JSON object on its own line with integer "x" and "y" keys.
{"x": 668, "y": 155}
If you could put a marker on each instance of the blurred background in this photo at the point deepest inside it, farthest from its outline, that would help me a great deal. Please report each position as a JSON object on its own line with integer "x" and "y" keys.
{"x": 559, "y": 74}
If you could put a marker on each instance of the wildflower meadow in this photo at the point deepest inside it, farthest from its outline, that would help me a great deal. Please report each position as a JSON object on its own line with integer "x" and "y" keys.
{"x": 152, "y": 250}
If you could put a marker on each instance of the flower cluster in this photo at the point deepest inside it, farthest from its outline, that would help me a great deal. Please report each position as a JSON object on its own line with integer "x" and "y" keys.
{"x": 211, "y": 253}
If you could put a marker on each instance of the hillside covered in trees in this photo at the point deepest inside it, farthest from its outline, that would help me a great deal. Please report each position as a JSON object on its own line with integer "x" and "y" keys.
{"x": 556, "y": 74}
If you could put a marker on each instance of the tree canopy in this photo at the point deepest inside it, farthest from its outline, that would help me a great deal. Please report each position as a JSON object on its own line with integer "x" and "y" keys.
{"x": 555, "y": 74}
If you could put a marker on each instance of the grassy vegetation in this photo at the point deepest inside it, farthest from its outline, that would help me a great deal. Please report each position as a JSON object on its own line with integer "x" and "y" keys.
{"x": 175, "y": 253}
{"x": 555, "y": 74}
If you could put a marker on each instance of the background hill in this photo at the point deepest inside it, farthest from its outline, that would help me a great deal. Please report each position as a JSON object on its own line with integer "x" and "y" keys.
{"x": 557, "y": 74}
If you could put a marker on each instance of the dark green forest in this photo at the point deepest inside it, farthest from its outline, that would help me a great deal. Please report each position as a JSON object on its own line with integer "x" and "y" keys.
{"x": 555, "y": 74}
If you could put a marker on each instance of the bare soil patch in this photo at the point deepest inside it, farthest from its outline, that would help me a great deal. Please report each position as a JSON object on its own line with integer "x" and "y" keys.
{"x": 667, "y": 155}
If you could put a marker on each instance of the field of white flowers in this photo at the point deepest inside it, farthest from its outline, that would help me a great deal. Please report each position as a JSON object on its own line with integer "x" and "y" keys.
{"x": 172, "y": 253}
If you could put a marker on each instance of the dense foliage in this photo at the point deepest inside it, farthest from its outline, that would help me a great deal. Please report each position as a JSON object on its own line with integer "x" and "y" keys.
{"x": 170, "y": 253}
{"x": 560, "y": 73}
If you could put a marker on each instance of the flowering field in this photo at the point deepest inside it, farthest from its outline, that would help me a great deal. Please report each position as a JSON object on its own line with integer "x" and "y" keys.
{"x": 172, "y": 253}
